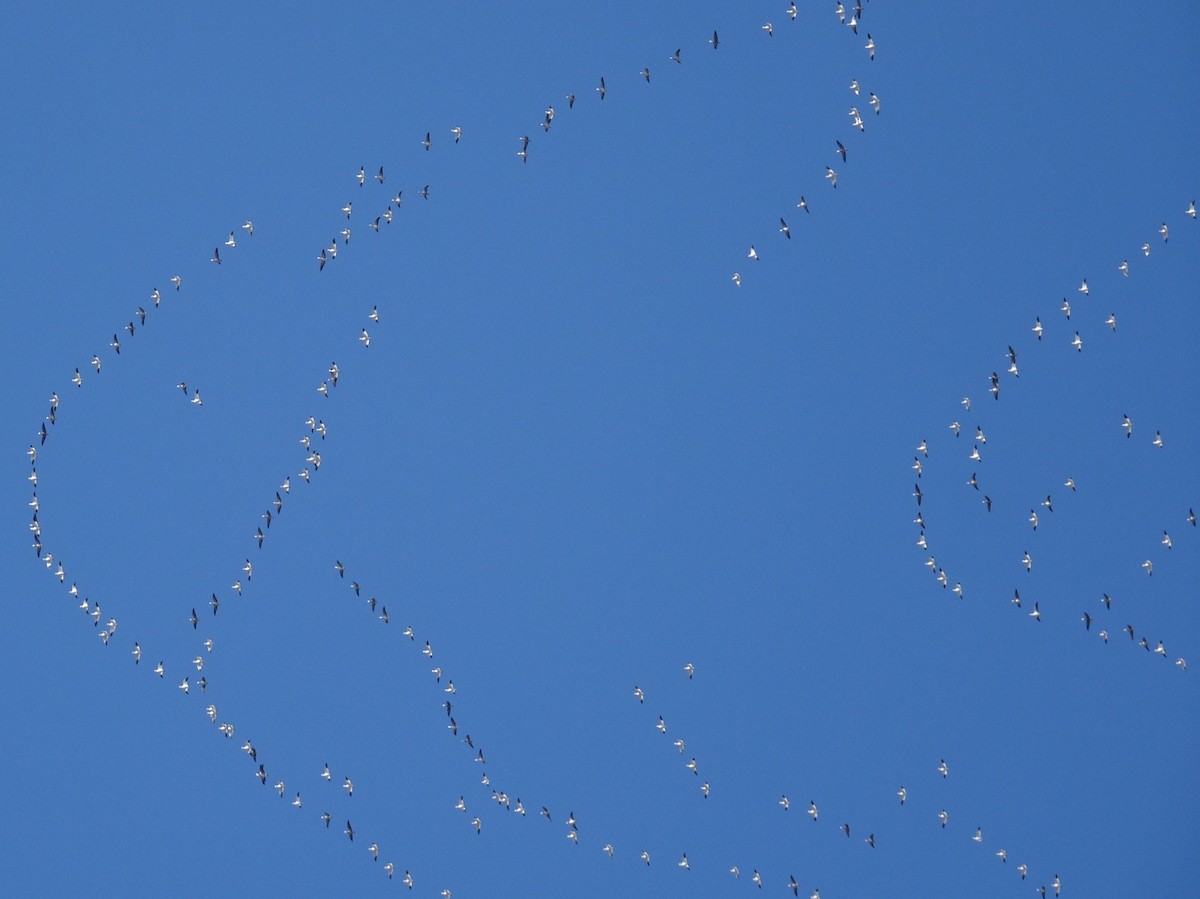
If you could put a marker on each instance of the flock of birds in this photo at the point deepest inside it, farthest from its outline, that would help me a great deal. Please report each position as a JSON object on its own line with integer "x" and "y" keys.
{"x": 1039, "y": 509}
{"x": 192, "y": 672}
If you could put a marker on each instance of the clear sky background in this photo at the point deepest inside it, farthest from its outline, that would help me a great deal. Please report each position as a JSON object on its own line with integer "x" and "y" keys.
{"x": 577, "y": 456}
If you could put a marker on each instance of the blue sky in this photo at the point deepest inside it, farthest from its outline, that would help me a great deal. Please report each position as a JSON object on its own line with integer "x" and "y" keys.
{"x": 577, "y": 456}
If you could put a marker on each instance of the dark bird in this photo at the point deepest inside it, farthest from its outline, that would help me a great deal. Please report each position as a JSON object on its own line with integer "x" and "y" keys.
{"x": 841, "y": 150}
{"x": 715, "y": 40}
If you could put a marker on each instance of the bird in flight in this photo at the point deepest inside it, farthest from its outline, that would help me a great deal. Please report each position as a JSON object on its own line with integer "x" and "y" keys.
{"x": 716, "y": 41}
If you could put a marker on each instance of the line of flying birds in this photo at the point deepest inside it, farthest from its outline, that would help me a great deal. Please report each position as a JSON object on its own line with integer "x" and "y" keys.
{"x": 318, "y": 430}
